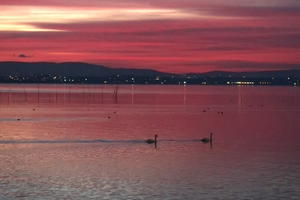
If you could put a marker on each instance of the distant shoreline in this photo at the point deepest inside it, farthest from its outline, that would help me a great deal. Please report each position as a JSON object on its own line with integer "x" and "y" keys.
{"x": 126, "y": 84}
{"x": 84, "y": 73}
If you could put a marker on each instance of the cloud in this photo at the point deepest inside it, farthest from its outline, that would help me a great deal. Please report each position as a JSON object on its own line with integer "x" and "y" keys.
{"x": 26, "y": 18}
{"x": 170, "y": 35}
{"x": 168, "y": 3}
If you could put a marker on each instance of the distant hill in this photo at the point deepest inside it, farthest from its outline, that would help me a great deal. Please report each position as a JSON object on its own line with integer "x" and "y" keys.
{"x": 255, "y": 74}
{"x": 77, "y": 72}
{"x": 91, "y": 70}
{"x": 68, "y": 69}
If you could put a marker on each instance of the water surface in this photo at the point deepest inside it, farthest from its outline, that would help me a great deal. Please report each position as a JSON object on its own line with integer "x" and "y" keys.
{"x": 86, "y": 142}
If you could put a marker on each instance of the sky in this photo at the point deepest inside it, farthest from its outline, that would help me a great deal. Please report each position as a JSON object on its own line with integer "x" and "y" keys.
{"x": 177, "y": 36}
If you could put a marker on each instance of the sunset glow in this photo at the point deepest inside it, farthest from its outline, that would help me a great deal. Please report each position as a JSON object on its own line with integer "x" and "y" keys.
{"x": 177, "y": 36}
{"x": 21, "y": 18}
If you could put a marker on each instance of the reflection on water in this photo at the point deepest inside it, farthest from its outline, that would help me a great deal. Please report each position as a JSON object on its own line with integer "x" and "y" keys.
{"x": 88, "y": 142}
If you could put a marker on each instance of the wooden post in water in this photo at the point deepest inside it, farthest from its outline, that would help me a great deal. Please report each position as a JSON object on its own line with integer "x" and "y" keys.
{"x": 116, "y": 94}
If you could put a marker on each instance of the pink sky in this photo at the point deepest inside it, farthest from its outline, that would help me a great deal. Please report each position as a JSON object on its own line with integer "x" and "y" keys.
{"x": 170, "y": 35}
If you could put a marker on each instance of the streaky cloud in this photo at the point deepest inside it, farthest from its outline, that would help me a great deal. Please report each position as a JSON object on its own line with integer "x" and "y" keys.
{"x": 22, "y": 18}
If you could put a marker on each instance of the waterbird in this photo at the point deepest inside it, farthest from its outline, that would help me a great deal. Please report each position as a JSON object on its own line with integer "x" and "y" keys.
{"x": 151, "y": 141}
{"x": 207, "y": 140}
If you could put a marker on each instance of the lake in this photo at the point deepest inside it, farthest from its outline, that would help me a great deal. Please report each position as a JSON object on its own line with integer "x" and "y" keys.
{"x": 87, "y": 142}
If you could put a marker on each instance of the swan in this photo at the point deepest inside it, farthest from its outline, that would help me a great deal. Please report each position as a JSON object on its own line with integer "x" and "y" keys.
{"x": 207, "y": 140}
{"x": 151, "y": 141}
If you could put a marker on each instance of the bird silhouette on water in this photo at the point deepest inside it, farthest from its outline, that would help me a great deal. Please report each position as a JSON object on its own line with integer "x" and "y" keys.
{"x": 207, "y": 140}
{"x": 151, "y": 141}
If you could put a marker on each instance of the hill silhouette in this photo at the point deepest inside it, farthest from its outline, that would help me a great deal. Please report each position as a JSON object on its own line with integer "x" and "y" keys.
{"x": 78, "y": 72}
{"x": 68, "y": 69}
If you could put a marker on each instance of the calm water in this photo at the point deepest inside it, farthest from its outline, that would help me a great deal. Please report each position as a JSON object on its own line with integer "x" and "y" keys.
{"x": 86, "y": 142}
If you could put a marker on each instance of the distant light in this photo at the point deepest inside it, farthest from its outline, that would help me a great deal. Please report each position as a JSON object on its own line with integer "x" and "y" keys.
{"x": 184, "y": 82}
{"x": 244, "y": 83}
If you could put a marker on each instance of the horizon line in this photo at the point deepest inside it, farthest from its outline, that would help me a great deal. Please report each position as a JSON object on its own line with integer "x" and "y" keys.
{"x": 127, "y": 68}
